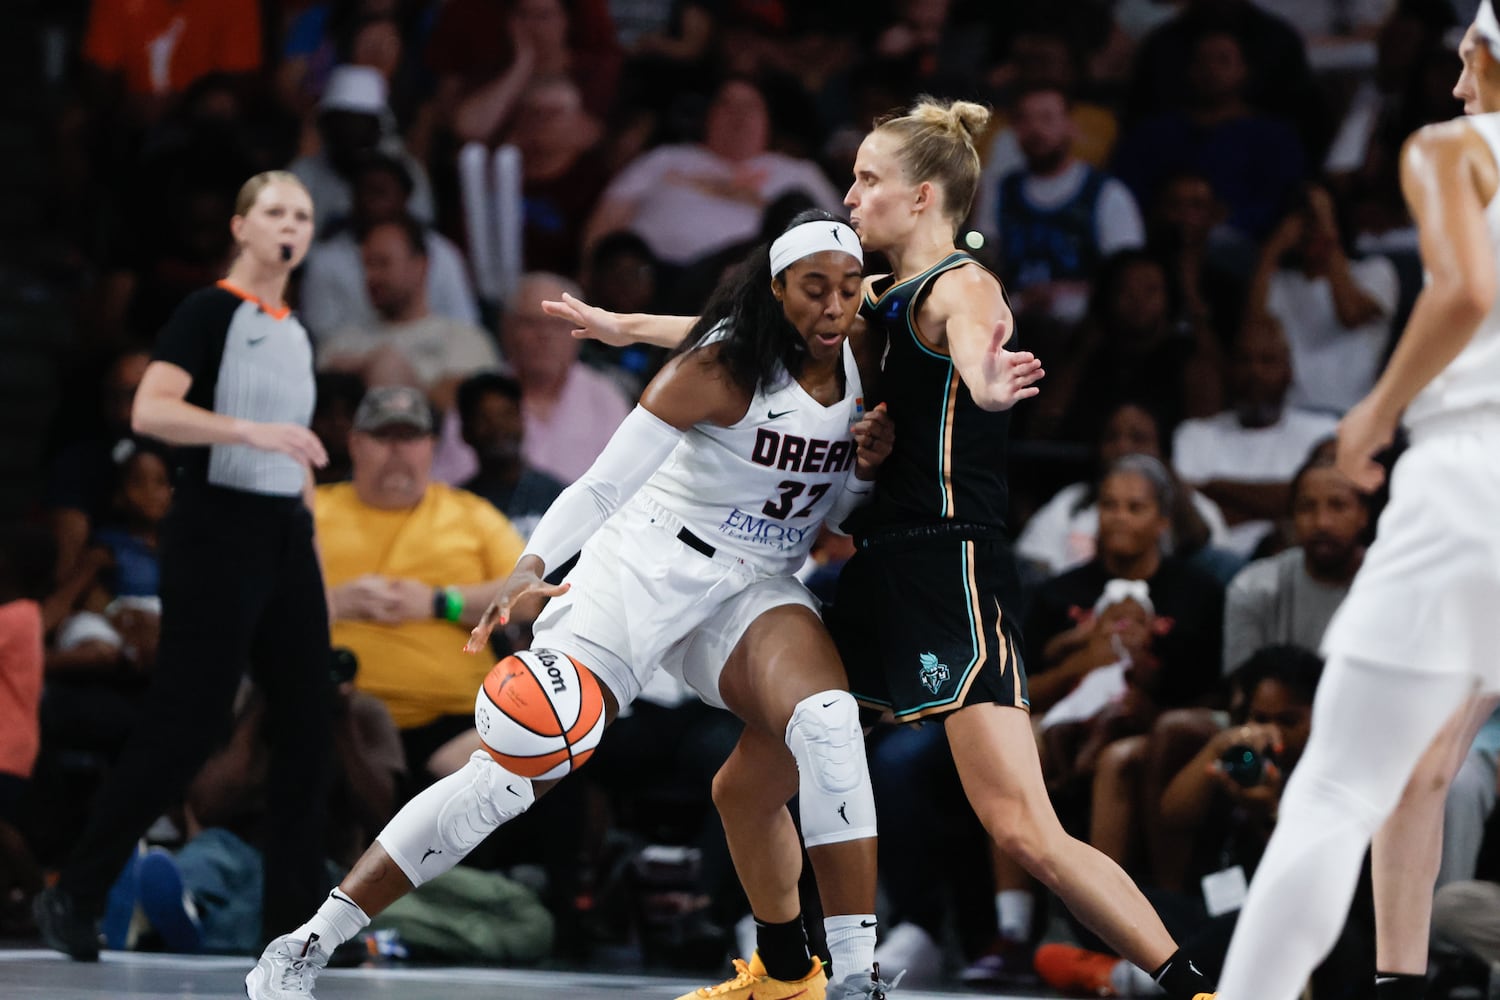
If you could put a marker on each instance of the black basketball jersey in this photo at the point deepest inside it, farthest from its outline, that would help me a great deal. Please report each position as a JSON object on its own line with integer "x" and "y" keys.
{"x": 948, "y": 459}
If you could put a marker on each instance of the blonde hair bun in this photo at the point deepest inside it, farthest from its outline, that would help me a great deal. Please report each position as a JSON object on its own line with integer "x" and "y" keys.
{"x": 964, "y": 119}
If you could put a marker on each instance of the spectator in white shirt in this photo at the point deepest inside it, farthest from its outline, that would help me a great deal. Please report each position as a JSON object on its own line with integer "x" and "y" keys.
{"x": 1336, "y": 312}
{"x": 1062, "y": 533}
{"x": 1244, "y": 458}
{"x": 333, "y": 278}
{"x": 1057, "y": 218}
{"x": 690, "y": 199}
{"x": 407, "y": 344}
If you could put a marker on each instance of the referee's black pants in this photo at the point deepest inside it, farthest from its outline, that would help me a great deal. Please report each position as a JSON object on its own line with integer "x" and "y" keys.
{"x": 241, "y": 590}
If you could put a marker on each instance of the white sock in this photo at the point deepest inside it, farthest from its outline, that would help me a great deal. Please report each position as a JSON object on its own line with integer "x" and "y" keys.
{"x": 851, "y": 944}
{"x": 337, "y": 920}
{"x": 1013, "y": 911}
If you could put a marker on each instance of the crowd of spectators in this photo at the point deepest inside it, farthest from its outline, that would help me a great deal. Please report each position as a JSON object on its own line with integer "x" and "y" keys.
{"x": 1194, "y": 206}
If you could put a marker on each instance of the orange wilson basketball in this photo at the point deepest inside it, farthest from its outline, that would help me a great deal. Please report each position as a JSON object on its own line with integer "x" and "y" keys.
{"x": 540, "y": 713}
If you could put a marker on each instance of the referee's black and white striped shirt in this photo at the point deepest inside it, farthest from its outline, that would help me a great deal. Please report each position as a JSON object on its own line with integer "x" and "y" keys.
{"x": 247, "y": 360}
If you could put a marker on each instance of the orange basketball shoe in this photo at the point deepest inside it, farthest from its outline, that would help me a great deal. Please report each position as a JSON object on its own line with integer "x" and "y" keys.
{"x": 752, "y": 983}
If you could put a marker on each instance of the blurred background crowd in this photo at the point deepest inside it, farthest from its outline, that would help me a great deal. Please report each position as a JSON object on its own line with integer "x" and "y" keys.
{"x": 1194, "y": 205}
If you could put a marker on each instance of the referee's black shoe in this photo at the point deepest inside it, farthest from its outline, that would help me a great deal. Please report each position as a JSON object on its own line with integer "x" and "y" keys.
{"x": 64, "y": 927}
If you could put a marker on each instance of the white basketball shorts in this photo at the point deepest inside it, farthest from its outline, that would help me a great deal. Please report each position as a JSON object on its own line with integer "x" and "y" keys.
{"x": 1428, "y": 596}
{"x": 642, "y": 597}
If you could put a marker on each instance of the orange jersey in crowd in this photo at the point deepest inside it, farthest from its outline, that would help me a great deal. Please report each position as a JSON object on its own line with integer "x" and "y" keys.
{"x": 161, "y": 46}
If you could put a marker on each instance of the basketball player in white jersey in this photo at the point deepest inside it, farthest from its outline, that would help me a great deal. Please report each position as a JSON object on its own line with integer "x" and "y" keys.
{"x": 1407, "y": 852}
{"x": 691, "y": 524}
{"x": 1415, "y": 640}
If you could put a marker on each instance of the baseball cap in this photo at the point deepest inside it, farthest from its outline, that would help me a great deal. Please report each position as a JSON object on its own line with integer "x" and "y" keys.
{"x": 392, "y": 406}
{"x": 355, "y": 88}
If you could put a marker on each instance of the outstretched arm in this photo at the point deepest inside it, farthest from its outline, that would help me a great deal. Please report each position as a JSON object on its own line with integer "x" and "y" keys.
{"x": 691, "y": 389}
{"x": 1448, "y": 176}
{"x": 978, "y": 326}
{"x": 619, "y": 329}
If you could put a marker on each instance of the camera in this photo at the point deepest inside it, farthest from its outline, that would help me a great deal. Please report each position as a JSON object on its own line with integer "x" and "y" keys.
{"x": 342, "y": 665}
{"x": 1245, "y": 765}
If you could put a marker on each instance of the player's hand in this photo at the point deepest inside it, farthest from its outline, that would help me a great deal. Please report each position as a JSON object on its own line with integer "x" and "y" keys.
{"x": 874, "y": 436}
{"x": 589, "y": 322}
{"x": 522, "y": 585}
{"x": 1364, "y": 433}
{"x": 1010, "y": 375}
{"x": 288, "y": 439}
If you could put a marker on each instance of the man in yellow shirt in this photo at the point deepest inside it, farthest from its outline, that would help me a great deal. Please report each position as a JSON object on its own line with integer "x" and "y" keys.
{"x": 412, "y": 564}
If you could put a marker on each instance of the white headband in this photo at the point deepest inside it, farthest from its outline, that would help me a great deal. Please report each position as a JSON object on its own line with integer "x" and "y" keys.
{"x": 810, "y": 238}
{"x": 1117, "y": 591}
{"x": 1488, "y": 27}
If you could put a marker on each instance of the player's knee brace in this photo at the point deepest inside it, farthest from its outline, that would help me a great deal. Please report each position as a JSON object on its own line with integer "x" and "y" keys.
{"x": 834, "y": 778}
{"x": 439, "y": 827}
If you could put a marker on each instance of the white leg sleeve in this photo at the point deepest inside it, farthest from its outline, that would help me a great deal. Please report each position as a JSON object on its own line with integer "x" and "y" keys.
{"x": 435, "y": 830}
{"x": 1370, "y": 726}
{"x": 834, "y": 794}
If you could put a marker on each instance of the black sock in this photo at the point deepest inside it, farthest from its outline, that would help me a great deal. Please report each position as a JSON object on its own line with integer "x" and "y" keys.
{"x": 1399, "y": 986}
{"x": 1180, "y": 978}
{"x": 783, "y": 949}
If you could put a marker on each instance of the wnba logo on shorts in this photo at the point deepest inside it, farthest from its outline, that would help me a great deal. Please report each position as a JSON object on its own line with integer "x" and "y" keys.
{"x": 933, "y": 674}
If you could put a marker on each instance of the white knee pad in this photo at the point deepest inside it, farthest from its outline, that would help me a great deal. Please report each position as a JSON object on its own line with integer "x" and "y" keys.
{"x": 835, "y": 800}
{"x": 435, "y": 830}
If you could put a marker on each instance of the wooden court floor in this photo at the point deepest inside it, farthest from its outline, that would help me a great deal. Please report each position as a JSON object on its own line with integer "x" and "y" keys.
{"x": 35, "y": 974}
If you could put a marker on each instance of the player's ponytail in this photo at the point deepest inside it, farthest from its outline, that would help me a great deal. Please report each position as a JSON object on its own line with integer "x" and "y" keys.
{"x": 939, "y": 143}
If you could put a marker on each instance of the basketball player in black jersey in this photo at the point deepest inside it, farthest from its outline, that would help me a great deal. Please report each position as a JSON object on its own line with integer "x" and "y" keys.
{"x": 921, "y": 612}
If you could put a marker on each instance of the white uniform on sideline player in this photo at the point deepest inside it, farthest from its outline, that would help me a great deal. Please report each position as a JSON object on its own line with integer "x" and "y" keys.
{"x": 691, "y": 522}
{"x": 1415, "y": 640}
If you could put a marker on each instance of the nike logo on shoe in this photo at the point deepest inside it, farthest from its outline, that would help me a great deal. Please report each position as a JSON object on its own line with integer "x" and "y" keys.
{"x": 773, "y": 415}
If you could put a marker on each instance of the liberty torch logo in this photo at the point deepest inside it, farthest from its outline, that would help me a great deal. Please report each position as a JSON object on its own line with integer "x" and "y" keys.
{"x": 933, "y": 674}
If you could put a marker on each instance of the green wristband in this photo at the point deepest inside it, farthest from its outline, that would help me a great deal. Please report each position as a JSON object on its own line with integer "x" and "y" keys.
{"x": 453, "y": 604}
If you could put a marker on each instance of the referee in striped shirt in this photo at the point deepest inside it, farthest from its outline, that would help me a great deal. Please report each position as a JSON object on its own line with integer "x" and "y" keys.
{"x": 230, "y": 384}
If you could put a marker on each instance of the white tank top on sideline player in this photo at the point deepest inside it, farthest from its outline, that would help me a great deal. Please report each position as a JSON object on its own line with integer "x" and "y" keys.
{"x": 1472, "y": 380}
{"x": 788, "y": 449}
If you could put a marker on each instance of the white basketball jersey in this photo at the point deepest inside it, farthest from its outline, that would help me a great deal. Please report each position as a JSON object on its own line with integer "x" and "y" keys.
{"x": 1471, "y": 380}
{"x": 760, "y": 488}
